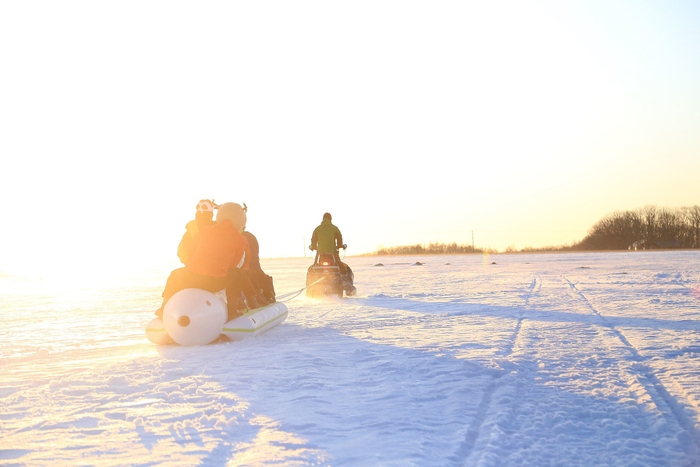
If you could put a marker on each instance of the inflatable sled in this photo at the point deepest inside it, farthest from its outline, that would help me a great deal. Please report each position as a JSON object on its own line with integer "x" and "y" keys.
{"x": 324, "y": 278}
{"x": 198, "y": 317}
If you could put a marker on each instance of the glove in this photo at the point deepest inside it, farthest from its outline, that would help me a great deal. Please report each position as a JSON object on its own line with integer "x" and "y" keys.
{"x": 345, "y": 247}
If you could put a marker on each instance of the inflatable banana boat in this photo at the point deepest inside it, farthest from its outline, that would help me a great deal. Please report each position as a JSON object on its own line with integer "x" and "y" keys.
{"x": 198, "y": 317}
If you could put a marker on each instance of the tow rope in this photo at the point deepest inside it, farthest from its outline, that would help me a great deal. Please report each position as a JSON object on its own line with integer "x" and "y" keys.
{"x": 296, "y": 293}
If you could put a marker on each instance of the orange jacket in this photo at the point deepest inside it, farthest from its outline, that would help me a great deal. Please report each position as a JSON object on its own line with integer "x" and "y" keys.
{"x": 217, "y": 249}
{"x": 184, "y": 249}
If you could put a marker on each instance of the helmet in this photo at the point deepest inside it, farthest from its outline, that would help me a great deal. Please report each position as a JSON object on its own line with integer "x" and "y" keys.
{"x": 234, "y": 213}
{"x": 205, "y": 205}
{"x": 327, "y": 216}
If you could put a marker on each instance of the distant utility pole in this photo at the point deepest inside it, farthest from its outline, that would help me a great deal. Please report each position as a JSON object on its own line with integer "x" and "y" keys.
{"x": 473, "y": 250}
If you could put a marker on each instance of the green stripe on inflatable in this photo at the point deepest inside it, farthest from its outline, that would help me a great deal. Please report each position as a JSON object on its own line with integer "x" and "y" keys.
{"x": 258, "y": 310}
{"x": 255, "y": 329}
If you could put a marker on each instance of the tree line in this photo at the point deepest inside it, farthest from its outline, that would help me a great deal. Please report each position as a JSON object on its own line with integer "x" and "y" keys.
{"x": 430, "y": 249}
{"x": 645, "y": 228}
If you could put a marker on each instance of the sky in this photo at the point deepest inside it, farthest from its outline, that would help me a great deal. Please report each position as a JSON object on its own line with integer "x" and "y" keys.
{"x": 515, "y": 124}
{"x": 587, "y": 359}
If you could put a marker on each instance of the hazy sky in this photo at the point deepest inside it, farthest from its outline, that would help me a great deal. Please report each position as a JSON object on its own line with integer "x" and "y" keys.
{"x": 411, "y": 122}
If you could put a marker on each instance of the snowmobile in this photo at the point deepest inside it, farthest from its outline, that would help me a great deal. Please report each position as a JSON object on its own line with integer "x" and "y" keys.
{"x": 325, "y": 277}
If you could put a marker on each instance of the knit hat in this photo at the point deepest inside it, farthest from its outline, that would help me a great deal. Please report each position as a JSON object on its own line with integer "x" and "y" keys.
{"x": 205, "y": 205}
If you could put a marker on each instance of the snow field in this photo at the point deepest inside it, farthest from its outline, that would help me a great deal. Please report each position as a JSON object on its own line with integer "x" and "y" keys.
{"x": 537, "y": 360}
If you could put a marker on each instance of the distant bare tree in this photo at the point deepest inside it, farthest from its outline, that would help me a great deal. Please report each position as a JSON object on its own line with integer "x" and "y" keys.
{"x": 649, "y": 214}
{"x": 669, "y": 225}
{"x": 692, "y": 220}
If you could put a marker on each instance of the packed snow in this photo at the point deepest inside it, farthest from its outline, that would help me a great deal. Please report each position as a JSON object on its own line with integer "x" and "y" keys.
{"x": 581, "y": 359}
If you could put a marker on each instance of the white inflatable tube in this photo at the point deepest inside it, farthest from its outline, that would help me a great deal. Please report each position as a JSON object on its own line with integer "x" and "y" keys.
{"x": 194, "y": 317}
{"x": 255, "y": 321}
{"x": 156, "y": 333}
{"x": 198, "y": 317}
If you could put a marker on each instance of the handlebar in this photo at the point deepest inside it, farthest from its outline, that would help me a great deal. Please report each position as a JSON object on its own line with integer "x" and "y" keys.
{"x": 344, "y": 247}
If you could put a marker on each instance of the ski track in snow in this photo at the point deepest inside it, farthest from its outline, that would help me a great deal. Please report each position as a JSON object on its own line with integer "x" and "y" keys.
{"x": 537, "y": 360}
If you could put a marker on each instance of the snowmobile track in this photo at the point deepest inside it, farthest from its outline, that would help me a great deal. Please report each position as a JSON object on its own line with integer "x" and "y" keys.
{"x": 651, "y": 382}
{"x": 532, "y": 289}
{"x": 475, "y": 435}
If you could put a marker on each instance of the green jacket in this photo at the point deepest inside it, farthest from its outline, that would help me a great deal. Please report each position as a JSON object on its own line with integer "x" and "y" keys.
{"x": 326, "y": 237}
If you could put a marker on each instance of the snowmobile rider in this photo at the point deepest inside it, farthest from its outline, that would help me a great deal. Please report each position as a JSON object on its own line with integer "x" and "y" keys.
{"x": 218, "y": 254}
{"x": 328, "y": 239}
{"x": 203, "y": 217}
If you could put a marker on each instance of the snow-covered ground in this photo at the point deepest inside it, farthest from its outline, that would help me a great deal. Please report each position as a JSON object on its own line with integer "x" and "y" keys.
{"x": 508, "y": 360}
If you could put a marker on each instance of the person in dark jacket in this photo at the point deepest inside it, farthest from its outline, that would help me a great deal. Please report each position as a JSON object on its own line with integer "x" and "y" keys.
{"x": 261, "y": 281}
{"x": 252, "y": 269}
